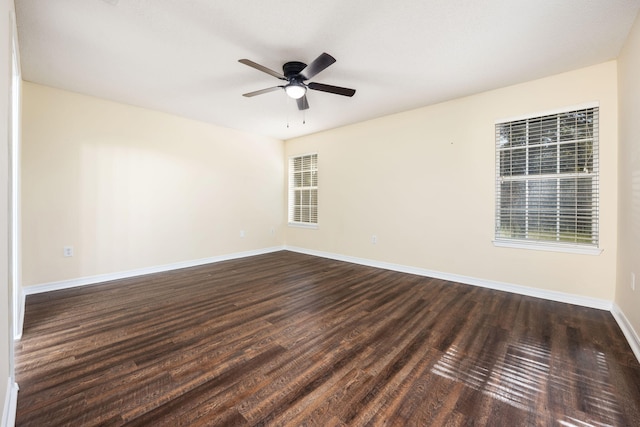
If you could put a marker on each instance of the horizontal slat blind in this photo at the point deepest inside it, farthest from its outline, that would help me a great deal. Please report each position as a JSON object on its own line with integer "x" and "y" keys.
{"x": 547, "y": 187}
{"x": 303, "y": 189}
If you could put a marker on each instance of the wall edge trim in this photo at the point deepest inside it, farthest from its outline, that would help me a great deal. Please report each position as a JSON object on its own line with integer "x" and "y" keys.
{"x": 10, "y": 404}
{"x": 101, "y": 278}
{"x": 628, "y": 331}
{"x": 499, "y": 286}
{"x": 21, "y": 306}
{"x": 630, "y": 334}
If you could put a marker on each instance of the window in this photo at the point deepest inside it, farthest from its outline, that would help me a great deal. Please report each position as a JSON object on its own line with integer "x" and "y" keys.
{"x": 547, "y": 179}
{"x": 303, "y": 190}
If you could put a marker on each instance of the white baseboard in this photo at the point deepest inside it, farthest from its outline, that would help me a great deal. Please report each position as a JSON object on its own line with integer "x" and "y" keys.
{"x": 92, "y": 280}
{"x": 596, "y": 303}
{"x": 10, "y": 404}
{"x": 627, "y": 330}
{"x": 630, "y": 334}
{"x": 500, "y": 286}
{"x": 507, "y": 287}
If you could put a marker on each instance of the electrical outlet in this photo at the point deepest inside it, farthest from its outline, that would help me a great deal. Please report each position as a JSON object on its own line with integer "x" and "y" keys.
{"x": 242, "y": 233}
{"x": 633, "y": 281}
{"x": 273, "y": 231}
{"x": 374, "y": 239}
{"x": 67, "y": 251}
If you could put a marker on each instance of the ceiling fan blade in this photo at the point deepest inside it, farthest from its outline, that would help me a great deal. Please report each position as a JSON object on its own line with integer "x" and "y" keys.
{"x": 261, "y": 91}
{"x": 303, "y": 104}
{"x": 318, "y": 64}
{"x": 262, "y": 68}
{"x": 332, "y": 89}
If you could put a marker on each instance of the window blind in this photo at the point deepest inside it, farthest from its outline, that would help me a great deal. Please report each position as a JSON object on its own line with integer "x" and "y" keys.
{"x": 303, "y": 189}
{"x": 547, "y": 187}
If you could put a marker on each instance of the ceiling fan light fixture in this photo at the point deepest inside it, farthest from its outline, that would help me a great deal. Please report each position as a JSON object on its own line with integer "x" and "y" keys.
{"x": 295, "y": 90}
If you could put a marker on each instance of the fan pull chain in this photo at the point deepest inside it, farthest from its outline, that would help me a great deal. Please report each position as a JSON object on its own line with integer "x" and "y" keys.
{"x": 287, "y": 104}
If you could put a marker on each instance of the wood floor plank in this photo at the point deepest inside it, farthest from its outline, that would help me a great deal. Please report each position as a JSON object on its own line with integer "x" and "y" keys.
{"x": 290, "y": 339}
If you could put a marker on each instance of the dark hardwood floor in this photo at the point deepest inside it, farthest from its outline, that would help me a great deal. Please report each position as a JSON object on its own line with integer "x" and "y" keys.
{"x": 290, "y": 339}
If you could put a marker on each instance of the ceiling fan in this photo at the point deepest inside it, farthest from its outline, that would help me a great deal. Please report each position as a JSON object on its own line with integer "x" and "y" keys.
{"x": 295, "y": 74}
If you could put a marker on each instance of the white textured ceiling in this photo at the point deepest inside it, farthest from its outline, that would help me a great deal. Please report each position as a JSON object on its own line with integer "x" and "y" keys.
{"x": 181, "y": 56}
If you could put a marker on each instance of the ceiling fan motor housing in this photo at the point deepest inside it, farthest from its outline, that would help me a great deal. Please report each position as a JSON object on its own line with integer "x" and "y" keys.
{"x": 293, "y": 69}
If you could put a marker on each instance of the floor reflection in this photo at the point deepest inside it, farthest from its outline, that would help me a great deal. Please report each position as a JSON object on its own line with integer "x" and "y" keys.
{"x": 527, "y": 376}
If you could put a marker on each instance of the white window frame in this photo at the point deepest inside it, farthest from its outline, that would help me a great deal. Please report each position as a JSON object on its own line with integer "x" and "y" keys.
{"x": 540, "y": 243}
{"x": 303, "y": 214}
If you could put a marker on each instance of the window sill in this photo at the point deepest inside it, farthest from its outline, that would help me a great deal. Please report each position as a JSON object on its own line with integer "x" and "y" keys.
{"x": 538, "y": 246}
{"x": 303, "y": 225}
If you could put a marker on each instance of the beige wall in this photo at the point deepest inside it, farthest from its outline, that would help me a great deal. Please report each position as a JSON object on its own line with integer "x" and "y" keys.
{"x": 423, "y": 182}
{"x": 629, "y": 179}
{"x": 6, "y": 343}
{"x": 131, "y": 188}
